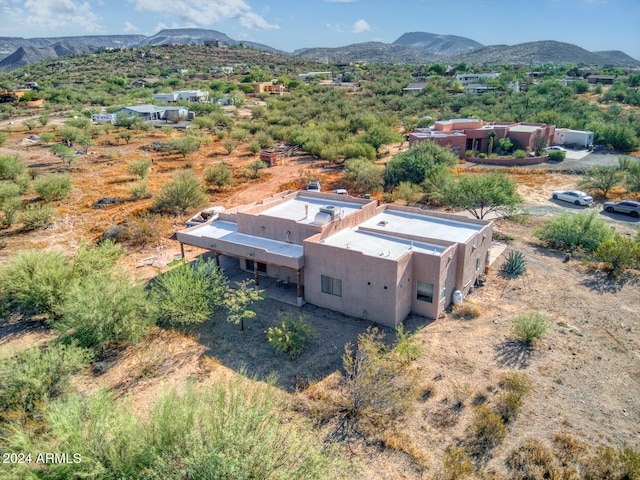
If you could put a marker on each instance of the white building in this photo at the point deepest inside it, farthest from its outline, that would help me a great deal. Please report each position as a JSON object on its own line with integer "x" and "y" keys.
{"x": 103, "y": 118}
{"x": 182, "y": 96}
{"x": 469, "y": 78}
{"x": 566, "y": 136}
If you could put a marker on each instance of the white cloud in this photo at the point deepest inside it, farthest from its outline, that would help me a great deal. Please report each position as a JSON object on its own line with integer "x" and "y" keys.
{"x": 130, "y": 27}
{"x": 361, "y": 26}
{"x": 334, "y": 27}
{"x": 55, "y": 14}
{"x": 204, "y": 13}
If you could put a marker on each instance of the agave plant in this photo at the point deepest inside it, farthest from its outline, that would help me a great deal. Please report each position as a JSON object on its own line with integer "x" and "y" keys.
{"x": 515, "y": 265}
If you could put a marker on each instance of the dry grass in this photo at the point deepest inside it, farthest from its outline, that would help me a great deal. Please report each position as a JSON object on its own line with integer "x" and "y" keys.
{"x": 466, "y": 311}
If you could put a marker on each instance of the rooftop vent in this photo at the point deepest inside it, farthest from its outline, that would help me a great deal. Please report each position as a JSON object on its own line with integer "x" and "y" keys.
{"x": 383, "y": 223}
{"x": 330, "y": 210}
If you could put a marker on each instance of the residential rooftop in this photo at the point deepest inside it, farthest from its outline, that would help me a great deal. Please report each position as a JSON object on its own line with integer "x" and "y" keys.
{"x": 379, "y": 245}
{"x": 303, "y": 209}
{"x": 422, "y": 225}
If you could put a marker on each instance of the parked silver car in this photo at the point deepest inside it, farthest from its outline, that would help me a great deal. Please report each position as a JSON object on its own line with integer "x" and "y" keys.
{"x": 574, "y": 196}
{"x": 625, "y": 206}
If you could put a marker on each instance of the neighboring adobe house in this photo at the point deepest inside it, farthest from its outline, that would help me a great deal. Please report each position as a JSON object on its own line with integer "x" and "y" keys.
{"x": 463, "y": 134}
{"x": 469, "y": 78}
{"x": 182, "y": 96}
{"x": 415, "y": 87}
{"x": 351, "y": 255}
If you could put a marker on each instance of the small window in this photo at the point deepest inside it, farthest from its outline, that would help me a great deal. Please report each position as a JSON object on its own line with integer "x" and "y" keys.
{"x": 443, "y": 292}
{"x": 332, "y": 286}
{"x": 425, "y": 292}
{"x": 477, "y": 264}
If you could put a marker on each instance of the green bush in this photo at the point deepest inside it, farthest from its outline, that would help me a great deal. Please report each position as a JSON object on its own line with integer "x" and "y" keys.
{"x": 105, "y": 309}
{"x": 487, "y": 430}
{"x": 140, "y": 190}
{"x": 8, "y": 190}
{"x": 254, "y": 168}
{"x": 37, "y": 216}
{"x": 182, "y": 193}
{"x": 189, "y": 293}
{"x": 10, "y": 207}
{"x": 36, "y": 376}
{"x": 530, "y": 327}
{"x": 573, "y": 231}
{"x": 231, "y": 430}
{"x": 556, "y": 155}
{"x": 142, "y": 230}
{"x": 515, "y": 265}
{"x": 291, "y": 337}
{"x": 56, "y": 186}
{"x": 618, "y": 254}
{"x": 11, "y": 166}
{"x": 218, "y": 175}
{"x": 140, "y": 168}
{"x": 98, "y": 258}
{"x": 520, "y": 154}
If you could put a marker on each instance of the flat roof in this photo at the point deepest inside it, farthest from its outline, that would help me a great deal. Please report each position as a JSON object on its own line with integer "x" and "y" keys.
{"x": 524, "y": 128}
{"x": 294, "y": 209}
{"x": 228, "y": 231}
{"x": 438, "y": 134}
{"x": 422, "y": 225}
{"x": 378, "y": 244}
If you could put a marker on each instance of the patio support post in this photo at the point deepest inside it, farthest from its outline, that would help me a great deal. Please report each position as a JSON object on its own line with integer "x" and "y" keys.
{"x": 255, "y": 273}
{"x": 299, "y": 287}
{"x": 182, "y": 250}
{"x": 217, "y": 257}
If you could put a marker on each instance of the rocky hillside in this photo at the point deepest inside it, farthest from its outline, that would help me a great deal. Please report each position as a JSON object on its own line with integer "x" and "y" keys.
{"x": 437, "y": 44}
{"x": 370, "y": 52}
{"x": 29, "y": 55}
{"x": 620, "y": 58}
{"x": 547, "y": 51}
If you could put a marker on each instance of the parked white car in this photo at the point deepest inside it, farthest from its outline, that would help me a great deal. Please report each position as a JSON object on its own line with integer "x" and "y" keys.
{"x": 625, "y": 206}
{"x": 574, "y": 196}
{"x": 555, "y": 147}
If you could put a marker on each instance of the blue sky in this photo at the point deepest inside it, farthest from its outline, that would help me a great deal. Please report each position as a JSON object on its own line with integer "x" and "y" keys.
{"x": 292, "y": 24}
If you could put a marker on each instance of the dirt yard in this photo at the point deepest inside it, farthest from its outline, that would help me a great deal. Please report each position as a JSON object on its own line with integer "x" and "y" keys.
{"x": 585, "y": 372}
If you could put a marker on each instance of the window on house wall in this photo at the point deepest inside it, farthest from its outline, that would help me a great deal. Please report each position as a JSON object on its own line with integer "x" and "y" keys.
{"x": 332, "y": 286}
{"x": 477, "y": 263}
{"x": 425, "y": 292}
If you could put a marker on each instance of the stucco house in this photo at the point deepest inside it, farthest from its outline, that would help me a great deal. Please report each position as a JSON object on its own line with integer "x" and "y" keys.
{"x": 463, "y": 134}
{"x": 182, "y": 96}
{"x": 351, "y": 255}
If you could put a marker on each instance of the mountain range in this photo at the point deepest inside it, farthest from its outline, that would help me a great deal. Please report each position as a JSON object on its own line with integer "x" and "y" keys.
{"x": 413, "y": 47}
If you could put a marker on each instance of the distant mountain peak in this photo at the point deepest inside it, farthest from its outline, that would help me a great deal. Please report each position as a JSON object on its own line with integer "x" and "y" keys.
{"x": 437, "y": 44}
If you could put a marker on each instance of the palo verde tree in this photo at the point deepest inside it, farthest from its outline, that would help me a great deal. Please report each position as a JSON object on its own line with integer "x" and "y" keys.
{"x": 413, "y": 165}
{"x": 601, "y": 178}
{"x": 482, "y": 194}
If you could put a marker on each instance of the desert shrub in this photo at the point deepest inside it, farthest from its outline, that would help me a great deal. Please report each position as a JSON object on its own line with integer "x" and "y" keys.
{"x": 378, "y": 387}
{"x": 182, "y": 193}
{"x": 614, "y": 463}
{"x": 457, "y": 464}
{"x": 218, "y": 175}
{"x": 402, "y": 441}
{"x": 11, "y": 166}
{"x": 233, "y": 430}
{"x": 23, "y": 181}
{"x": 10, "y": 207}
{"x": 516, "y": 386}
{"x": 466, "y": 310}
{"x": 37, "y": 216}
{"x": 520, "y": 154}
{"x": 601, "y": 178}
{"x": 291, "y": 337}
{"x": 142, "y": 230}
{"x": 487, "y": 430}
{"x": 406, "y": 347}
{"x": 117, "y": 233}
{"x": 556, "y": 155}
{"x": 240, "y": 134}
{"x": 105, "y": 309}
{"x": 618, "y": 254}
{"x": 8, "y": 190}
{"x": 139, "y": 168}
{"x": 254, "y": 168}
{"x": 35, "y": 281}
{"x": 530, "y": 327}
{"x": 254, "y": 147}
{"x": 3, "y": 138}
{"x": 366, "y": 176}
{"x": 140, "y": 190}
{"x": 570, "y": 232}
{"x": 408, "y": 192}
{"x": 264, "y": 140}
{"x": 482, "y": 155}
{"x": 189, "y": 293}
{"x": 56, "y": 186}
{"x": 35, "y": 376}
{"x": 532, "y": 460}
{"x": 97, "y": 258}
